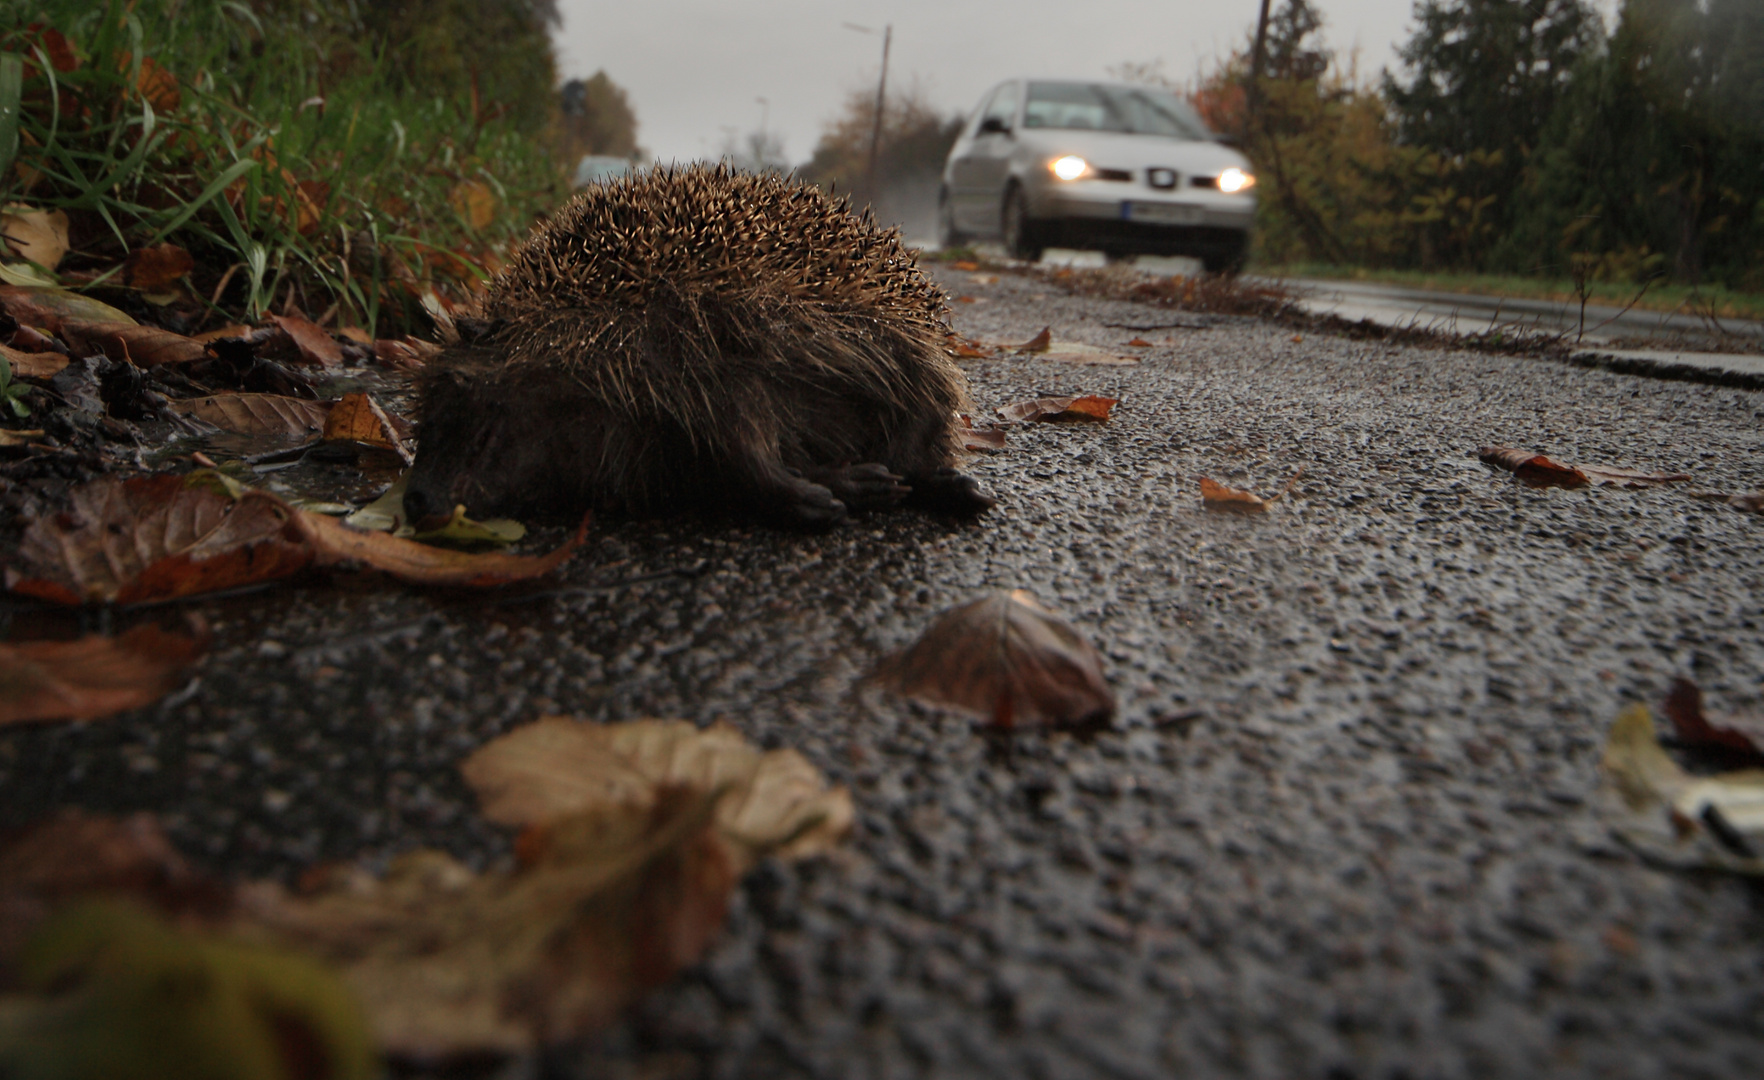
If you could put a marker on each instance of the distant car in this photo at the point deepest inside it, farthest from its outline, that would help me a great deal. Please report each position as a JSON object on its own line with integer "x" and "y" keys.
{"x": 598, "y": 168}
{"x": 1100, "y": 166}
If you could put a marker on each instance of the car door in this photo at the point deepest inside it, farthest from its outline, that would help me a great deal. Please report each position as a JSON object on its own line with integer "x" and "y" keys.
{"x": 987, "y": 162}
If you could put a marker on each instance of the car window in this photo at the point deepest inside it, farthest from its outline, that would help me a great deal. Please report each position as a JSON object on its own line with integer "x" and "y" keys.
{"x": 1093, "y": 107}
{"x": 1003, "y": 105}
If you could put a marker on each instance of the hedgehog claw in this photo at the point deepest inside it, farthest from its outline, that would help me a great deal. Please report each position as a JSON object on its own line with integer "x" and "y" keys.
{"x": 950, "y": 492}
{"x": 861, "y": 487}
{"x": 808, "y": 505}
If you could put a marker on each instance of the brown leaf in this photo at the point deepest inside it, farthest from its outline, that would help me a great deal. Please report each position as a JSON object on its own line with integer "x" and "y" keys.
{"x": 970, "y": 351}
{"x": 92, "y": 677}
{"x": 1038, "y": 343}
{"x": 1229, "y": 500}
{"x": 981, "y": 438}
{"x": 335, "y": 543}
{"x": 356, "y": 334}
{"x": 358, "y": 418}
{"x": 47, "y": 308}
{"x": 157, "y": 538}
{"x": 258, "y": 414}
{"x": 1059, "y": 409}
{"x": 1139, "y": 343}
{"x": 158, "y": 86}
{"x": 965, "y": 264}
{"x": 474, "y": 202}
{"x": 37, "y": 235}
{"x": 158, "y": 268}
{"x": 143, "y": 346}
{"x": 231, "y": 330}
{"x": 1534, "y": 470}
{"x": 316, "y": 346}
{"x": 33, "y": 365}
{"x": 1684, "y": 707}
{"x": 967, "y": 299}
{"x": 1005, "y": 659}
{"x": 772, "y": 801}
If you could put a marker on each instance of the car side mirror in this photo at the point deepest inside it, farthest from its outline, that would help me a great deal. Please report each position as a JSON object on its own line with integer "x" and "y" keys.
{"x": 992, "y": 125}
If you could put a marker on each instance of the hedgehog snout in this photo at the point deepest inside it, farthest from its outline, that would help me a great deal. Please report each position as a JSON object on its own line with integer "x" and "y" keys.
{"x": 425, "y": 508}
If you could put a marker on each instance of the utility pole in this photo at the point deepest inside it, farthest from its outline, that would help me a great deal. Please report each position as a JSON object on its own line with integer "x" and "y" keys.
{"x": 1253, "y": 99}
{"x": 881, "y": 100}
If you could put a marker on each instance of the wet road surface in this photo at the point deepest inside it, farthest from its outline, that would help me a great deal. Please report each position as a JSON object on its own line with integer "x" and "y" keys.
{"x": 1341, "y": 827}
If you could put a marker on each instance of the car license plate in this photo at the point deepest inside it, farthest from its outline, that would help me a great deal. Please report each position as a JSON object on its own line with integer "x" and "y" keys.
{"x": 1163, "y": 213}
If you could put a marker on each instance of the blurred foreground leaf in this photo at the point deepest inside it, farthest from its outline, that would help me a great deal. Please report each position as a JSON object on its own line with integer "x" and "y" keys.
{"x": 92, "y": 677}
{"x": 1670, "y": 816}
{"x": 34, "y": 234}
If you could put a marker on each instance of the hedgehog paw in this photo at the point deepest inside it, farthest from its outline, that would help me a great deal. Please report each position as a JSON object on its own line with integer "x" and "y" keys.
{"x": 861, "y": 487}
{"x": 949, "y": 492}
{"x": 808, "y": 505}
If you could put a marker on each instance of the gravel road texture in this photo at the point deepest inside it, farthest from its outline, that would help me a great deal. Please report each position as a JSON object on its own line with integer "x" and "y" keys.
{"x": 1340, "y": 828}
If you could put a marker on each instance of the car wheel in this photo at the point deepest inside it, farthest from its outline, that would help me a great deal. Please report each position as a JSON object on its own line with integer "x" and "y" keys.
{"x": 948, "y": 236}
{"x": 1022, "y": 236}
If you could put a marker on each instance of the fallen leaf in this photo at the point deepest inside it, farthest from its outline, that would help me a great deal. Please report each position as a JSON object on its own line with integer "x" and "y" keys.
{"x": 1536, "y": 470}
{"x": 112, "y": 991}
{"x": 1684, "y": 707}
{"x": 968, "y": 350}
{"x": 358, "y": 418}
{"x": 158, "y": 86}
{"x": 335, "y": 543}
{"x": 1004, "y": 659}
{"x": 315, "y": 345}
{"x": 143, "y": 346}
{"x": 386, "y": 514}
{"x": 474, "y": 202}
{"x": 967, "y": 300}
{"x": 13, "y": 438}
{"x": 406, "y": 355}
{"x": 92, "y": 677}
{"x": 356, "y": 334}
{"x": 157, "y": 538}
{"x": 979, "y": 438}
{"x": 1139, "y": 343}
{"x": 1059, "y": 409}
{"x": 158, "y": 268}
{"x": 34, "y": 365}
{"x": 74, "y": 853}
{"x": 1037, "y": 344}
{"x": 37, "y": 235}
{"x": 162, "y": 537}
{"x": 1751, "y": 504}
{"x": 1670, "y": 816}
{"x": 965, "y": 264}
{"x": 48, "y": 307}
{"x": 231, "y": 330}
{"x": 1229, "y": 500}
{"x": 258, "y": 414}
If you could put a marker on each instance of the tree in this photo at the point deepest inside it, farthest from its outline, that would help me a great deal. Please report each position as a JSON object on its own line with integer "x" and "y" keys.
{"x": 915, "y": 142}
{"x": 596, "y": 118}
{"x": 1483, "y": 78}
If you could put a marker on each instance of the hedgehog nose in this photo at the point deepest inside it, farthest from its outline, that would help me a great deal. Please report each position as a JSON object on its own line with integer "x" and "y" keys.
{"x": 423, "y": 510}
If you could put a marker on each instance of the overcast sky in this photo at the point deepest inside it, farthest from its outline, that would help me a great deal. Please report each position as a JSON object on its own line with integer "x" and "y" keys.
{"x": 694, "y": 68}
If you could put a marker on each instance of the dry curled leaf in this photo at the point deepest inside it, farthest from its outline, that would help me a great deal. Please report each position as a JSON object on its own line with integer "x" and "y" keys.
{"x": 1059, "y": 409}
{"x": 33, "y": 365}
{"x": 35, "y": 305}
{"x": 1536, "y": 470}
{"x": 555, "y": 768}
{"x": 163, "y": 537}
{"x": 1684, "y": 707}
{"x": 143, "y": 346}
{"x": 156, "y": 538}
{"x": 1139, "y": 343}
{"x": 259, "y": 414}
{"x": 474, "y": 202}
{"x": 965, "y": 264}
{"x": 358, "y": 418}
{"x": 159, "y": 86}
{"x": 1004, "y": 659}
{"x": 968, "y": 350}
{"x": 1671, "y": 816}
{"x": 1229, "y": 500}
{"x": 37, "y": 235}
{"x": 315, "y": 345}
{"x": 93, "y": 676}
{"x": 158, "y": 268}
{"x": 1037, "y": 344}
{"x": 985, "y": 437}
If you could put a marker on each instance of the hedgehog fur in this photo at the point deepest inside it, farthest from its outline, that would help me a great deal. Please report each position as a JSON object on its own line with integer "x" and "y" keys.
{"x": 696, "y": 337}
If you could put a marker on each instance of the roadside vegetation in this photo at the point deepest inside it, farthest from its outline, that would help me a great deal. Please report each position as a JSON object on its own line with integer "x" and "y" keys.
{"x": 280, "y": 153}
{"x": 1520, "y": 138}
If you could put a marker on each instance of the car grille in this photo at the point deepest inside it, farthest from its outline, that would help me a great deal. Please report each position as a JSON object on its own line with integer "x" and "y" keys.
{"x": 1113, "y": 174}
{"x": 1204, "y": 181}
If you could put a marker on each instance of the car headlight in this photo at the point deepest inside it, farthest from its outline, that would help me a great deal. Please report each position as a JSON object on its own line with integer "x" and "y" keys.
{"x": 1070, "y": 167}
{"x": 1232, "y": 180}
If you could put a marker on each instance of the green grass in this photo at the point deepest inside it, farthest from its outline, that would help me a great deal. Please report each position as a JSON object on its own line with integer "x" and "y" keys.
{"x": 283, "y": 156}
{"x": 1665, "y": 296}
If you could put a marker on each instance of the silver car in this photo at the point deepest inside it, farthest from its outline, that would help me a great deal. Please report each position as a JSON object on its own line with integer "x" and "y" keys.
{"x": 1100, "y": 166}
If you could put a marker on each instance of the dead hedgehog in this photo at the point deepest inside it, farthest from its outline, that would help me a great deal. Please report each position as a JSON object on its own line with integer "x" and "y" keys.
{"x": 696, "y": 338}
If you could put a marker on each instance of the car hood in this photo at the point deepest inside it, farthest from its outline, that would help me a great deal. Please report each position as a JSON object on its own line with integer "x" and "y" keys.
{"x": 1113, "y": 150}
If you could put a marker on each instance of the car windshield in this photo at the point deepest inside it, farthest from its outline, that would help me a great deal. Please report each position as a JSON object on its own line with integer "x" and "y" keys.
{"x": 1093, "y": 107}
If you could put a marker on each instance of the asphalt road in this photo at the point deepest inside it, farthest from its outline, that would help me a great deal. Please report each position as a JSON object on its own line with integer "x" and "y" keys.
{"x": 1341, "y": 828}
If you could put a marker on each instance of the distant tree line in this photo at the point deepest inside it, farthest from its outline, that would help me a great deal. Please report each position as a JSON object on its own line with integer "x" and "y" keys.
{"x": 1519, "y": 136}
